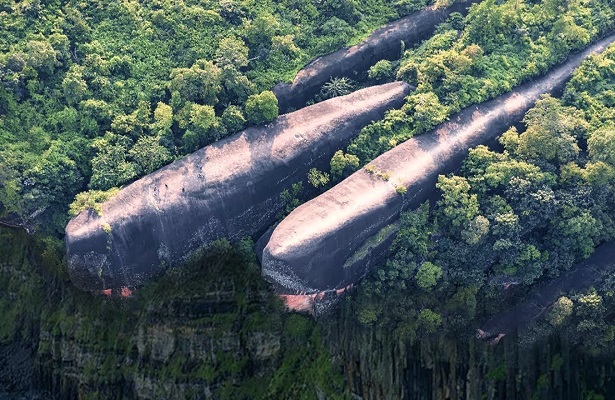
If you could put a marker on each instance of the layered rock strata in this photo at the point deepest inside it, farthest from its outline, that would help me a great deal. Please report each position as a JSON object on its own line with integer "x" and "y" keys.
{"x": 384, "y": 43}
{"x": 323, "y": 244}
{"x": 229, "y": 189}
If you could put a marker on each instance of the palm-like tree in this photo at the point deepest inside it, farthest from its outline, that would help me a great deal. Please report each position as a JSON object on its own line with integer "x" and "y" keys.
{"x": 337, "y": 87}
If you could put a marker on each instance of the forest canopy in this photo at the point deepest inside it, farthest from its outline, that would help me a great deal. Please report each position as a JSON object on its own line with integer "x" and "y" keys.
{"x": 499, "y": 45}
{"x": 513, "y": 217}
{"x": 96, "y": 94}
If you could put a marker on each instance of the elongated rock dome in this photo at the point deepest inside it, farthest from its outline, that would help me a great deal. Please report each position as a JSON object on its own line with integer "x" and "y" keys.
{"x": 383, "y": 43}
{"x": 581, "y": 277}
{"x": 229, "y": 189}
{"x": 315, "y": 247}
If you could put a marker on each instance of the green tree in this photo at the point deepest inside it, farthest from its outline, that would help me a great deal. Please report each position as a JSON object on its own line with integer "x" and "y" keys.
{"x": 457, "y": 206}
{"x": 560, "y": 310}
{"x": 237, "y": 86}
{"x": 601, "y": 145}
{"x": 337, "y": 32}
{"x": 291, "y": 198}
{"x": 233, "y": 118}
{"x": 552, "y": 132}
{"x": 476, "y": 230}
{"x": 149, "y": 155}
{"x": 409, "y": 72}
{"x": 91, "y": 200}
{"x": 262, "y": 29}
{"x": 344, "y": 9}
{"x": 381, "y": 71}
{"x": 199, "y": 83}
{"x": 41, "y": 56}
{"x": 577, "y": 229}
{"x": 202, "y": 117}
{"x": 317, "y": 178}
{"x": 202, "y": 130}
{"x": 428, "y": 275}
{"x": 232, "y": 52}
{"x": 429, "y": 320}
{"x": 110, "y": 167}
{"x": 163, "y": 117}
{"x": 425, "y": 111}
{"x": 74, "y": 85}
{"x": 135, "y": 123}
{"x": 262, "y": 107}
{"x": 98, "y": 110}
{"x": 336, "y": 87}
{"x": 342, "y": 164}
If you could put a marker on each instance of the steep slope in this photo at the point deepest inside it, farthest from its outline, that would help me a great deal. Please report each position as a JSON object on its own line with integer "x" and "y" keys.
{"x": 229, "y": 189}
{"x": 315, "y": 247}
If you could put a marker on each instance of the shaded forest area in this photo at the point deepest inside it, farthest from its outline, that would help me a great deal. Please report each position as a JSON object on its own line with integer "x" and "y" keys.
{"x": 210, "y": 330}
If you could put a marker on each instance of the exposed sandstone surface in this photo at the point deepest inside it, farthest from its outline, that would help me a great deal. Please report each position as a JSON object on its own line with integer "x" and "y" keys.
{"x": 315, "y": 248}
{"x": 383, "y": 43}
{"x": 229, "y": 189}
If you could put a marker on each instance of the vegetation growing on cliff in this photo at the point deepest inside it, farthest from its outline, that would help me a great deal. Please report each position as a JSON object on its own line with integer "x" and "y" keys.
{"x": 96, "y": 94}
{"x": 510, "y": 219}
{"x": 213, "y": 326}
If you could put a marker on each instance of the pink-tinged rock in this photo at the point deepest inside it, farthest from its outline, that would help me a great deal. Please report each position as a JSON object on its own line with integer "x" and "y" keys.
{"x": 315, "y": 248}
{"x": 230, "y": 189}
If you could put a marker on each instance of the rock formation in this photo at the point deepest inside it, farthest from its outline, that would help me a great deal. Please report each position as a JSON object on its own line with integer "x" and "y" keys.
{"x": 328, "y": 242}
{"x": 581, "y": 277}
{"x": 229, "y": 189}
{"x": 384, "y": 43}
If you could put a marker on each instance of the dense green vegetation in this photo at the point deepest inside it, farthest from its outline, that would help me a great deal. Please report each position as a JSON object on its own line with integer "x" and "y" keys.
{"x": 580, "y": 317}
{"x": 94, "y": 95}
{"x": 243, "y": 345}
{"x": 515, "y": 216}
{"x": 499, "y": 45}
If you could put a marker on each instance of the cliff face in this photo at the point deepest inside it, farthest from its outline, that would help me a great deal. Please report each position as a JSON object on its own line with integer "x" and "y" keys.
{"x": 212, "y": 330}
{"x": 384, "y": 43}
{"x": 229, "y": 189}
{"x": 379, "y": 365}
{"x": 218, "y": 334}
{"x": 175, "y": 349}
{"x": 317, "y": 246}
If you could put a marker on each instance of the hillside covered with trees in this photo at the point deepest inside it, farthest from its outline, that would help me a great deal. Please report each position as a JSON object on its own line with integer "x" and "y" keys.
{"x": 514, "y": 216}
{"x": 94, "y": 95}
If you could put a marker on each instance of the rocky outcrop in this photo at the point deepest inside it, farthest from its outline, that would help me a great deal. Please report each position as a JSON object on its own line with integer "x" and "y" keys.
{"x": 582, "y": 276}
{"x": 315, "y": 247}
{"x": 384, "y": 43}
{"x": 83, "y": 347}
{"x": 229, "y": 189}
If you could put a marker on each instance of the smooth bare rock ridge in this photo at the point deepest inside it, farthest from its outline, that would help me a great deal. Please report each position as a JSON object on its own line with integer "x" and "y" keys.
{"x": 318, "y": 246}
{"x": 229, "y": 189}
{"x": 384, "y": 43}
